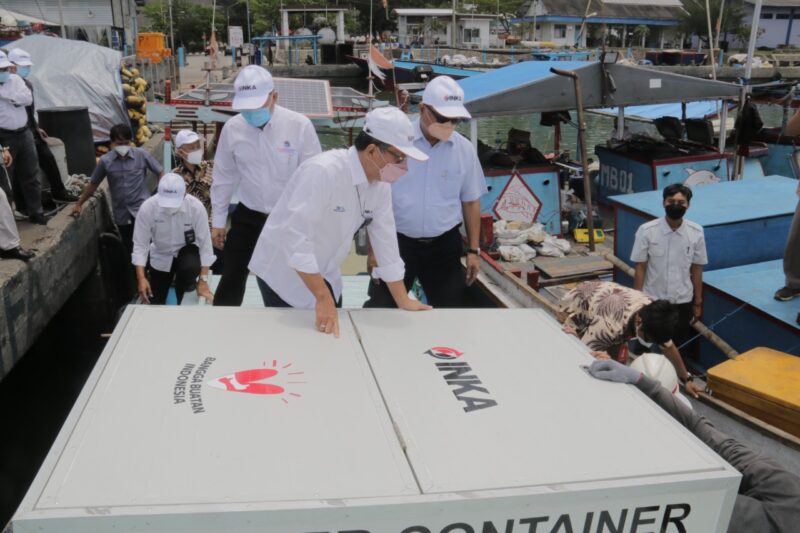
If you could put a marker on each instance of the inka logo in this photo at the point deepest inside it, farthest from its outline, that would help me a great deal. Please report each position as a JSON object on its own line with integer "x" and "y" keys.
{"x": 264, "y": 381}
{"x": 467, "y": 387}
{"x": 442, "y": 352}
{"x": 453, "y": 98}
{"x": 242, "y": 88}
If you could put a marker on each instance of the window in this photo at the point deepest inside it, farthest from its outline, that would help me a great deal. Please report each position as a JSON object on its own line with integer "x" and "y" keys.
{"x": 766, "y": 16}
{"x": 559, "y": 31}
{"x": 782, "y": 16}
{"x": 472, "y": 35}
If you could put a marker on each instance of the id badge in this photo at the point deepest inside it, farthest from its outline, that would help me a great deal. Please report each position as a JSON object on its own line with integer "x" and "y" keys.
{"x": 189, "y": 236}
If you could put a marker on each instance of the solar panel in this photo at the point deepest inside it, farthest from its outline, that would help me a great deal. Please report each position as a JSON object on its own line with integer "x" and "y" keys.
{"x": 311, "y": 98}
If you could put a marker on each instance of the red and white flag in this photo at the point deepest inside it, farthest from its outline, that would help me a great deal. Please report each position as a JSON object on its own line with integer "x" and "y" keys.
{"x": 377, "y": 62}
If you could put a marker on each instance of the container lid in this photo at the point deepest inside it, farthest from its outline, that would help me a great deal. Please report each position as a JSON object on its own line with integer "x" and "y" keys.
{"x": 487, "y": 400}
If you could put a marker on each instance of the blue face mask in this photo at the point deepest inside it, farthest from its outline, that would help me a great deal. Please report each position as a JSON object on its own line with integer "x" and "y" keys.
{"x": 23, "y": 72}
{"x": 4, "y": 76}
{"x": 257, "y": 117}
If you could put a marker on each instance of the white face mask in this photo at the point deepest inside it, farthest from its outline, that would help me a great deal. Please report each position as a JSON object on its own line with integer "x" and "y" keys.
{"x": 195, "y": 157}
{"x": 122, "y": 150}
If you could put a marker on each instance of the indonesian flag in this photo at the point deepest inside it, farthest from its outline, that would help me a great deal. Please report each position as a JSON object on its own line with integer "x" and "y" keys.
{"x": 377, "y": 62}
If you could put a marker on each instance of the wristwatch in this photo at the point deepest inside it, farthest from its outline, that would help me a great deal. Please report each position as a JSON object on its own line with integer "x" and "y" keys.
{"x": 203, "y": 278}
{"x": 476, "y": 251}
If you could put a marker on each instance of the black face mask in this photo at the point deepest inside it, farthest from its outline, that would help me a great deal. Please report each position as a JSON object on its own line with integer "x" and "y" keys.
{"x": 675, "y": 211}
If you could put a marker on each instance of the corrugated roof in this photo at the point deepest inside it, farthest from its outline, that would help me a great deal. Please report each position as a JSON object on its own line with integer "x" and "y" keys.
{"x": 777, "y": 3}
{"x": 634, "y": 9}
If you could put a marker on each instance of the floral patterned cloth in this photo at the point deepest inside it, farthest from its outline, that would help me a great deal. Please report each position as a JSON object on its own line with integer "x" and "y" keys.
{"x": 198, "y": 183}
{"x": 600, "y": 312}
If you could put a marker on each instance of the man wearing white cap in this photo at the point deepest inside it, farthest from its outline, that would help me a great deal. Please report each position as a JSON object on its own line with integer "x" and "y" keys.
{"x": 9, "y": 236}
{"x": 258, "y": 151}
{"x": 434, "y": 199}
{"x": 17, "y": 137}
{"x": 329, "y": 198}
{"x": 172, "y": 229}
{"x": 47, "y": 161}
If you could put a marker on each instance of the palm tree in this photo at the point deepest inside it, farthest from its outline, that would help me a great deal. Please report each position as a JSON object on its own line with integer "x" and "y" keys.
{"x": 642, "y": 31}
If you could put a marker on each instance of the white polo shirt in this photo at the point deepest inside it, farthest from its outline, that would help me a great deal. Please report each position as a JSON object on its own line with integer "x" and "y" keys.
{"x": 427, "y": 201}
{"x": 259, "y": 161}
{"x": 14, "y": 96}
{"x": 312, "y": 227}
{"x": 161, "y": 235}
{"x": 669, "y": 255}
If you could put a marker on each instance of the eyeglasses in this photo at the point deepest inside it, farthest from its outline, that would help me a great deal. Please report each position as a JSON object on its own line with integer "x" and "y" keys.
{"x": 441, "y": 119}
{"x": 398, "y": 158}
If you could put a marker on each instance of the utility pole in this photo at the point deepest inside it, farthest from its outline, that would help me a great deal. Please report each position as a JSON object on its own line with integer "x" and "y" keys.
{"x": 247, "y": 5}
{"x": 454, "y": 29}
{"x": 61, "y": 19}
{"x": 171, "y": 32}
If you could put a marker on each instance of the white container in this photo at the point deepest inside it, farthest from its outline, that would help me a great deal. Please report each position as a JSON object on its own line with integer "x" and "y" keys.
{"x": 508, "y": 433}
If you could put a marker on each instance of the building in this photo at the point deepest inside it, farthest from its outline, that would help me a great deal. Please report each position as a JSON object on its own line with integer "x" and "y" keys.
{"x": 649, "y": 23}
{"x": 428, "y": 27}
{"x": 779, "y": 25}
{"x": 110, "y": 23}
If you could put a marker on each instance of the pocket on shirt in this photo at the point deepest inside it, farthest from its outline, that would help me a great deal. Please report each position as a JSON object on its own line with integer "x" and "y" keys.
{"x": 449, "y": 184}
{"x": 657, "y": 250}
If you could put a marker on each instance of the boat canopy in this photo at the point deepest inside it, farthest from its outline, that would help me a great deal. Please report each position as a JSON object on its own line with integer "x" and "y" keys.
{"x": 704, "y": 109}
{"x": 439, "y": 69}
{"x": 530, "y": 87}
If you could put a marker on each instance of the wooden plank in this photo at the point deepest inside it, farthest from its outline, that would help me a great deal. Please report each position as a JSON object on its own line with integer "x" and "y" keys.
{"x": 560, "y": 267}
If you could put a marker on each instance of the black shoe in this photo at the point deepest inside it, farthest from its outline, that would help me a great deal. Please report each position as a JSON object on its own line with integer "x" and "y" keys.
{"x": 784, "y": 294}
{"x": 65, "y": 197}
{"x": 17, "y": 253}
{"x": 39, "y": 218}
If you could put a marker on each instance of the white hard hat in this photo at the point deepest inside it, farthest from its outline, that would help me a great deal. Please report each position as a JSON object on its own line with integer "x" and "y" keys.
{"x": 391, "y": 126}
{"x": 658, "y": 367}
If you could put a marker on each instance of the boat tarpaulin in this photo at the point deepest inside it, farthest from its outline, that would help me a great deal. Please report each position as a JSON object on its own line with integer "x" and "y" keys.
{"x": 530, "y": 87}
{"x": 70, "y": 73}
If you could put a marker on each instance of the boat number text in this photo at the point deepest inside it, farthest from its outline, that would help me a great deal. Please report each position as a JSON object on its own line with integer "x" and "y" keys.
{"x": 615, "y": 179}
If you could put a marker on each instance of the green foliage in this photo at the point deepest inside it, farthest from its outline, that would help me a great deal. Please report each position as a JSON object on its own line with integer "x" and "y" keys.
{"x": 694, "y": 20}
{"x": 189, "y": 21}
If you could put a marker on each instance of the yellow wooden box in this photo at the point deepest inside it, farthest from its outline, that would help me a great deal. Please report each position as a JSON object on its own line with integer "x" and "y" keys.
{"x": 764, "y": 383}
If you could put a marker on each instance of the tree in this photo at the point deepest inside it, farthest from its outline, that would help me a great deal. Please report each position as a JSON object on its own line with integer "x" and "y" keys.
{"x": 694, "y": 21}
{"x": 189, "y": 21}
{"x": 642, "y": 31}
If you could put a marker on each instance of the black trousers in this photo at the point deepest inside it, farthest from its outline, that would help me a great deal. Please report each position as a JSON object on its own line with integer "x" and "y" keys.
{"x": 24, "y": 170}
{"x": 271, "y": 298}
{"x": 126, "y": 235}
{"x": 246, "y": 226}
{"x": 47, "y": 162}
{"x": 437, "y": 264}
{"x": 184, "y": 272}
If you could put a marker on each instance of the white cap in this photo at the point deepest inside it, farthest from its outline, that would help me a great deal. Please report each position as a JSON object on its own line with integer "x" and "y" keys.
{"x": 658, "y": 367}
{"x": 4, "y": 62}
{"x": 20, "y": 57}
{"x": 253, "y": 86}
{"x": 171, "y": 190}
{"x": 445, "y": 96}
{"x": 391, "y": 126}
{"x": 186, "y": 137}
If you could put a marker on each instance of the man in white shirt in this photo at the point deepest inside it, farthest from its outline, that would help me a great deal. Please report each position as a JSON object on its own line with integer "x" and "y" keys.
{"x": 172, "y": 229}
{"x": 791, "y": 254}
{"x": 18, "y": 138}
{"x": 9, "y": 236}
{"x": 434, "y": 199}
{"x": 329, "y": 198}
{"x": 258, "y": 151}
{"x": 669, "y": 253}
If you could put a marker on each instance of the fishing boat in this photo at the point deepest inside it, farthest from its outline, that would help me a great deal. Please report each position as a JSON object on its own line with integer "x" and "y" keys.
{"x": 405, "y": 72}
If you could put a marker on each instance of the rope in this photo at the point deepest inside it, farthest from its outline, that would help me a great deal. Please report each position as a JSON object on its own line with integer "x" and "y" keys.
{"x": 712, "y": 326}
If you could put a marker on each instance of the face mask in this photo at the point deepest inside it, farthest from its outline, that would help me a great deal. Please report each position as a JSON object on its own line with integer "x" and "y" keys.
{"x": 639, "y": 338}
{"x": 391, "y": 172}
{"x": 122, "y": 150}
{"x": 675, "y": 211}
{"x": 171, "y": 210}
{"x": 23, "y": 71}
{"x": 195, "y": 157}
{"x": 257, "y": 117}
{"x": 441, "y": 131}
{"x": 4, "y": 76}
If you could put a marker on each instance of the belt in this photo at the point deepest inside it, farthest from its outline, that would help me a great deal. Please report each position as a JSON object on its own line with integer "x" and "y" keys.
{"x": 18, "y": 130}
{"x": 429, "y": 240}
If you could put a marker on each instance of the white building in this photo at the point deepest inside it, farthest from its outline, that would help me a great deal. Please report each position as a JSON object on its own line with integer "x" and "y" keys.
{"x": 780, "y": 22}
{"x": 567, "y": 23}
{"x": 427, "y": 27}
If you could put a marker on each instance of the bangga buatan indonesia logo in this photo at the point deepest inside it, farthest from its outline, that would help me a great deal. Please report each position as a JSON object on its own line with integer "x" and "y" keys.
{"x": 275, "y": 380}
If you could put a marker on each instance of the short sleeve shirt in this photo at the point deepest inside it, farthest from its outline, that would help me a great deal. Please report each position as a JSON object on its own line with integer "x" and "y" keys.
{"x": 669, "y": 255}
{"x": 127, "y": 180}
